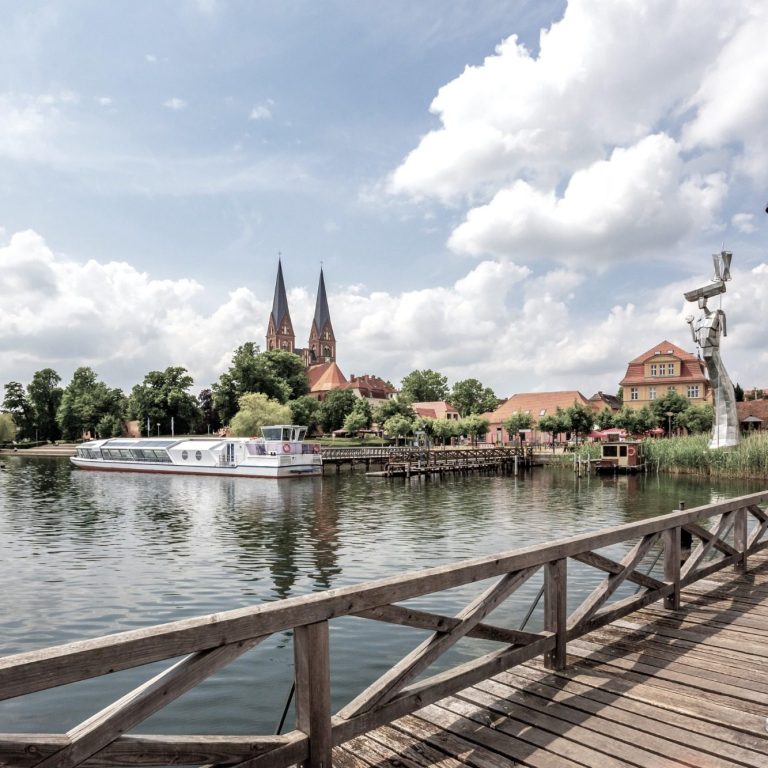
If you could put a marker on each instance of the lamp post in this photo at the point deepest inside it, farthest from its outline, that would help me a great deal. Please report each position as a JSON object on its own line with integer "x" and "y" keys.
{"x": 669, "y": 415}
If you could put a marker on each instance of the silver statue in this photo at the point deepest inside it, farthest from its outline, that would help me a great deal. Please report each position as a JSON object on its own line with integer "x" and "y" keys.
{"x": 706, "y": 331}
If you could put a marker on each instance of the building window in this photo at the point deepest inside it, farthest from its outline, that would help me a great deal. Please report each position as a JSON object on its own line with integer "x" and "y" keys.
{"x": 654, "y": 370}
{"x": 634, "y": 394}
{"x": 671, "y": 388}
{"x": 543, "y": 412}
{"x": 671, "y": 369}
{"x": 693, "y": 390}
{"x": 662, "y": 369}
{"x": 651, "y": 393}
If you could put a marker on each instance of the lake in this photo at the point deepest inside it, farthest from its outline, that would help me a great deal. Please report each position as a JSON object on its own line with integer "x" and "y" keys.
{"x": 88, "y": 553}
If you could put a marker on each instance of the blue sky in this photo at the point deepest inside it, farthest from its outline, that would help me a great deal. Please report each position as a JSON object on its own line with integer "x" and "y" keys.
{"x": 514, "y": 191}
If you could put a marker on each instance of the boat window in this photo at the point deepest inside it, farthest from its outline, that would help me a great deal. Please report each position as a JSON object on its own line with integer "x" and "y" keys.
{"x": 623, "y": 450}
{"x": 184, "y": 455}
{"x": 301, "y": 432}
{"x": 198, "y": 455}
{"x": 609, "y": 451}
{"x": 286, "y": 434}
{"x": 271, "y": 433}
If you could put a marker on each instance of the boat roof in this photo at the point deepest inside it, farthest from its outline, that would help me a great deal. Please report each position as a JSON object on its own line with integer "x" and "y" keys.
{"x": 197, "y": 445}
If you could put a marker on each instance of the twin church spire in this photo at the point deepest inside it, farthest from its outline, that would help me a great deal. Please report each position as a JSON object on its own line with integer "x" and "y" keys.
{"x": 280, "y": 334}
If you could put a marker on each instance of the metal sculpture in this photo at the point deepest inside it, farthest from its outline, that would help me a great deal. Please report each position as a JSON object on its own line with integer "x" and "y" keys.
{"x": 706, "y": 331}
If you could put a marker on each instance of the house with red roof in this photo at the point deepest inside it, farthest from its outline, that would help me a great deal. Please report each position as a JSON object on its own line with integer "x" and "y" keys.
{"x": 661, "y": 369}
{"x": 437, "y": 409}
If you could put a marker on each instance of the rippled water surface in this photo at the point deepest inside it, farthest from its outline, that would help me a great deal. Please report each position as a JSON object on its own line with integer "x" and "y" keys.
{"x": 87, "y": 553}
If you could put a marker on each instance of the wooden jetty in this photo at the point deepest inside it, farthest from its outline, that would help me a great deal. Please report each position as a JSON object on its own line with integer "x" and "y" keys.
{"x": 672, "y": 672}
{"x": 409, "y": 461}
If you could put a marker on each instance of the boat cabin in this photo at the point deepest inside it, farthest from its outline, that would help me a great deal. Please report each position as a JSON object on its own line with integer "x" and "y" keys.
{"x": 622, "y": 456}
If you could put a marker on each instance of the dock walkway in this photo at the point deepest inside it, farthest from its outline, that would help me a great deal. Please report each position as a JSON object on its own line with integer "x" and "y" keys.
{"x": 657, "y": 689}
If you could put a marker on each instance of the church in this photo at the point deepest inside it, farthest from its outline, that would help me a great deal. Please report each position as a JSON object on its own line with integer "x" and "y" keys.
{"x": 319, "y": 355}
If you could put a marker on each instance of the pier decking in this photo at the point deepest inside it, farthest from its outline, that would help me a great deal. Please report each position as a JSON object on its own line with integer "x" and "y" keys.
{"x": 655, "y": 665}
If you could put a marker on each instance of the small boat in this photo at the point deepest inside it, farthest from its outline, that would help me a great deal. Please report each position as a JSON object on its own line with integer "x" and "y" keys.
{"x": 279, "y": 452}
{"x": 623, "y": 456}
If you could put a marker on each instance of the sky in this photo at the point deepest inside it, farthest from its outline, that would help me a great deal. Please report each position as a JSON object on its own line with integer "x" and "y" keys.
{"x": 514, "y": 191}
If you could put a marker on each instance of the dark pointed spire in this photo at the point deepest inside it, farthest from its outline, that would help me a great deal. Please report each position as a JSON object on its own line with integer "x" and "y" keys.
{"x": 322, "y": 315}
{"x": 280, "y": 302}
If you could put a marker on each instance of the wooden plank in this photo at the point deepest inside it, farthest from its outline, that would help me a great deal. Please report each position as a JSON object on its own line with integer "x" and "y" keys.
{"x": 555, "y": 605}
{"x": 105, "y": 726}
{"x": 41, "y": 669}
{"x": 672, "y": 561}
{"x": 705, "y": 546}
{"x": 603, "y": 591}
{"x": 313, "y": 691}
{"x": 433, "y": 647}
{"x": 603, "y": 563}
{"x": 707, "y": 536}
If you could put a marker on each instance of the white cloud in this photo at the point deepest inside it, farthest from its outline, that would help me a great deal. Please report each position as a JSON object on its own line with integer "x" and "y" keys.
{"x": 104, "y": 101}
{"x": 744, "y": 222}
{"x": 262, "y": 111}
{"x": 175, "y": 103}
{"x": 150, "y": 58}
{"x": 30, "y": 123}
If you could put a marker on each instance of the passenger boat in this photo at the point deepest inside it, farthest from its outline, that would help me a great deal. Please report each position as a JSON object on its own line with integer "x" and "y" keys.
{"x": 624, "y": 456}
{"x": 279, "y": 452}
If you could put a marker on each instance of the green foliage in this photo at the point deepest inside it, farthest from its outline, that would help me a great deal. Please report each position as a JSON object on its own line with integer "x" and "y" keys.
{"x": 517, "y": 422}
{"x": 470, "y": 396}
{"x": 445, "y": 429}
{"x": 45, "y": 397}
{"x": 626, "y": 419}
{"x": 582, "y": 419}
{"x": 210, "y": 416}
{"x": 424, "y": 386}
{"x": 7, "y": 428}
{"x": 85, "y": 401}
{"x": 604, "y": 419}
{"x": 338, "y": 404}
{"x": 162, "y": 396}
{"x": 256, "y": 411}
{"x": 555, "y": 423}
{"x": 393, "y": 407}
{"x": 398, "y": 426}
{"x": 109, "y": 426}
{"x": 673, "y": 403}
{"x": 278, "y": 374}
{"x": 354, "y": 422}
{"x": 17, "y": 404}
{"x": 305, "y": 410}
{"x": 739, "y": 393}
{"x": 474, "y": 426}
{"x": 696, "y": 419}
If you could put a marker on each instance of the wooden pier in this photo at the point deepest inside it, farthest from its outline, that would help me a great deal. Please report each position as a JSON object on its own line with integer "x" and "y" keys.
{"x": 659, "y": 665}
{"x": 409, "y": 461}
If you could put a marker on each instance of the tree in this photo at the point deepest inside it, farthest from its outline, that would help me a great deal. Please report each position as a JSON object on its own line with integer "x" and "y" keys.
{"x": 85, "y": 401}
{"x": 45, "y": 397}
{"x": 305, "y": 411}
{"x": 555, "y": 424}
{"x": 739, "y": 393}
{"x": 253, "y": 371}
{"x": 338, "y": 404}
{"x": 398, "y": 426}
{"x": 288, "y": 367}
{"x": 445, "y": 429}
{"x": 604, "y": 419}
{"x": 362, "y": 410}
{"x": 256, "y": 411}
{"x": 581, "y": 418}
{"x": 163, "y": 398}
{"x": 667, "y": 408}
{"x": 696, "y": 418}
{"x": 7, "y": 428}
{"x": 646, "y": 419}
{"x": 424, "y": 386}
{"x": 354, "y": 422}
{"x": 110, "y": 426}
{"x": 208, "y": 412}
{"x": 470, "y": 396}
{"x": 17, "y": 404}
{"x": 474, "y": 426}
{"x": 626, "y": 419}
{"x": 517, "y": 422}
{"x": 392, "y": 407}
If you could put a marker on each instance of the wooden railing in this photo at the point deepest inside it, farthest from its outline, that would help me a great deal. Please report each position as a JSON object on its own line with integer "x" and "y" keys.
{"x": 736, "y": 529}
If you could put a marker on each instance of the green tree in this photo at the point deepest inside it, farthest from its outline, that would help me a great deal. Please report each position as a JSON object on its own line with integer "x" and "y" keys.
{"x": 398, "y": 426}
{"x": 85, "y": 401}
{"x": 305, "y": 411}
{"x": 474, "y": 427}
{"x": 739, "y": 393}
{"x": 338, "y": 404}
{"x": 109, "y": 425}
{"x": 288, "y": 367}
{"x": 555, "y": 424}
{"x": 393, "y": 407}
{"x": 626, "y": 419}
{"x": 7, "y": 428}
{"x": 666, "y": 408}
{"x": 445, "y": 429}
{"x": 210, "y": 416}
{"x": 696, "y": 418}
{"x": 354, "y": 422}
{"x": 646, "y": 419}
{"x": 604, "y": 419}
{"x": 424, "y": 386}
{"x": 582, "y": 419}
{"x": 164, "y": 399}
{"x": 515, "y": 422}
{"x": 21, "y": 410}
{"x": 256, "y": 411}
{"x": 45, "y": 397}
{"x": 254, "y": 371}
{"x": 470, "y": 396}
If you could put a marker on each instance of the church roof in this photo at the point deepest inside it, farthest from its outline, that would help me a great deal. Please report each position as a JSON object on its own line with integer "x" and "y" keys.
{"x": 280, "y": 302}
{"x": 324, "y": 377}
{"x": 322, "y": 314}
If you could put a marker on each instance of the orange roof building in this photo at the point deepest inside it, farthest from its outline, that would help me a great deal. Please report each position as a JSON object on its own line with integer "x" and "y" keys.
{"x": 436, "y": 409}
{"x": 665, "y": 368}
{"x": 323, "y": 377}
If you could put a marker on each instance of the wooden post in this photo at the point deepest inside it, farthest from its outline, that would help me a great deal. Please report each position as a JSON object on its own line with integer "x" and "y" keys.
{"x": 672, "y": 557}
{"x": 313, "y": 690}
{"x": 555, "y": 599}
{"x": 740, "y": 539}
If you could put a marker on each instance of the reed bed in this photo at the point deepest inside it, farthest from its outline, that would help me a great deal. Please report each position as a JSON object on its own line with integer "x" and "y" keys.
{"x": 690, "y": 455}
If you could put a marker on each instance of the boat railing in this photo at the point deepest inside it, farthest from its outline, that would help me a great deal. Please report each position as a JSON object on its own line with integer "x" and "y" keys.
{"x": 726, "y": 533}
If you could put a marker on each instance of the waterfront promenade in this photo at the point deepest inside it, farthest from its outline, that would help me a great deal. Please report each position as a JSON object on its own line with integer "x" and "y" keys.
{"x": 662, "y": 662}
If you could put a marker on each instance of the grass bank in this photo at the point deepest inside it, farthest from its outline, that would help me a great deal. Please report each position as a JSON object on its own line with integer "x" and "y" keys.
{"x": 690, "y": 455}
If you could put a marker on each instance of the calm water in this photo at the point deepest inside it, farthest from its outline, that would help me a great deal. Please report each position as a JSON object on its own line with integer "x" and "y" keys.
{"x": 86, "y": 554}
